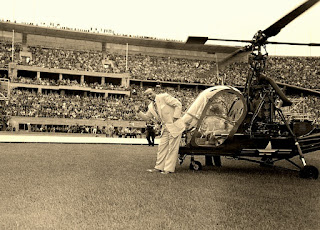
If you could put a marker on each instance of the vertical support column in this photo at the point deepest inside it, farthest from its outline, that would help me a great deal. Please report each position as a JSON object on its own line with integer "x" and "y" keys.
{"x": 103, "y": 46}
{"x": 13, "y": 72}
{"x": 178, "y": 87}
{"x": 24, "y": 39}
{"x": 103, "y": 80}
{"x": 24, "y": 43}
{"x": 82, "y": 79}
{"x": 125, "y": 81}
{"x": 60, "y": 76}
{"x": 38, "y": 76}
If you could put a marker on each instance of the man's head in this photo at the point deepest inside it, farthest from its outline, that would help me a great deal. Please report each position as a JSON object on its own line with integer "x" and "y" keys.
{"x": 149, "y": 93}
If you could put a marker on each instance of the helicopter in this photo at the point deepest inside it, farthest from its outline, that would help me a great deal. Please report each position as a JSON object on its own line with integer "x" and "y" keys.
{"x": 249, "y": 125}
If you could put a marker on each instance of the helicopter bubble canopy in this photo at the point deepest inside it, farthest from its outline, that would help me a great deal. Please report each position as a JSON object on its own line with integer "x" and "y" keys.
{"x": 216, "y": 115}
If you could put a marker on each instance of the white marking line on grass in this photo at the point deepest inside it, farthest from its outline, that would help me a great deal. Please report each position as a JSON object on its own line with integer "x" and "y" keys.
{"x": 76, "y": 140}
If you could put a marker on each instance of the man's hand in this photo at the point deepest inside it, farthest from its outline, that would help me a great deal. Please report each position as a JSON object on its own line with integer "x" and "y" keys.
{"x": 136, "y": 108}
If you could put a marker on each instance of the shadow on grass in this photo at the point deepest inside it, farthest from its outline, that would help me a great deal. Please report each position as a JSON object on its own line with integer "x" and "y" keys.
{"x": 243, "y": 168}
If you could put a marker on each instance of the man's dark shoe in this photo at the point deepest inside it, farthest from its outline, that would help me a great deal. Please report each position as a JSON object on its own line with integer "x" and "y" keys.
{"x": 153, "y": 170}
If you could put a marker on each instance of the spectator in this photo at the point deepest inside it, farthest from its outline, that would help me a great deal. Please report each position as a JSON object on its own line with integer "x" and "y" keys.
{"x": 150, "y": 132}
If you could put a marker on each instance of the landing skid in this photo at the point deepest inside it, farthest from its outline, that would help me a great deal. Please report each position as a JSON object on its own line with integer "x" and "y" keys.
{"x": 306, "y": 172}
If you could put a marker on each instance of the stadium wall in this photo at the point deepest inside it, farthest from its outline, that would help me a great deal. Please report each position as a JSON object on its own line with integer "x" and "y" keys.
{"x": 7, "y": 36}
{"x": 153, "y": 51}
{"x": 56, "y": 42}
{"x": 17, "y": 121}
{"x": 71, "y": 44}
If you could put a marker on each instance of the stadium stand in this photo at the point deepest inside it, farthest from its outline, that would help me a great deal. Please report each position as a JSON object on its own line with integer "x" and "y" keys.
{"x": 56, "y": 89}
{"x": 146, "y": 67}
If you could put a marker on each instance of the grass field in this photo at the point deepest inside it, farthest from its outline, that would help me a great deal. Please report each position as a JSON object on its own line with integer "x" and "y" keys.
{"x": 78, "y": 186}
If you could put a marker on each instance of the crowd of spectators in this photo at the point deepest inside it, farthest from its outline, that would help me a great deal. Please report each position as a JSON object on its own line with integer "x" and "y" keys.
{"x": 171, "y": 69}
{"x": 67, "y": 82}
{"x": 92, "y": 61}
{"x": 300, "y": 71}
{"x": 308, "y": 106}
{"x": 32, "y": 104}
{"x": 53, "y": 105}
{"x": 144, "y": 67}
{"x": 6, "y": 53}
{"x": 108, "y": 130}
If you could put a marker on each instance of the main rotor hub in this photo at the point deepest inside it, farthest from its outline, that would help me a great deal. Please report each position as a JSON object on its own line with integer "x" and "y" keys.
{"x": 259, "y": 39}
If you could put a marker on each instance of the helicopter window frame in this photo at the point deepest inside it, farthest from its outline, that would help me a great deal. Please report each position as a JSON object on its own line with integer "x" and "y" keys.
{"x": 235, "y": 123}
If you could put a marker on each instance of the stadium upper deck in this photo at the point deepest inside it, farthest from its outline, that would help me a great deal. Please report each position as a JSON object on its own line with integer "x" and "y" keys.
{"x": 37, "y": 35}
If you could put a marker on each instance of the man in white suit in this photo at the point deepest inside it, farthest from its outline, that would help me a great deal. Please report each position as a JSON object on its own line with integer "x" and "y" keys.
{"x": 165, "y": 109}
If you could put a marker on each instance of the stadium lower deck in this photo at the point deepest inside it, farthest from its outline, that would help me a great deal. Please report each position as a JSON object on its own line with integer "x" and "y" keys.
{"x": 24, "y": 137}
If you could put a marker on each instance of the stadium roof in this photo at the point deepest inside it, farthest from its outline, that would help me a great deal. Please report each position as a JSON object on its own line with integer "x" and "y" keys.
{"x": 96, "y": 37}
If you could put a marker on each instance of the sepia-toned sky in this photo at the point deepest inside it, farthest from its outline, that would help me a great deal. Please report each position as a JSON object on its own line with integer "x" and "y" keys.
{"x": 177, "y": 19}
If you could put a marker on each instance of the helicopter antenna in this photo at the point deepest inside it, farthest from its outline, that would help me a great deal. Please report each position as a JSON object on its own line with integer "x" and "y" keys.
{"x": 217, "y": 65}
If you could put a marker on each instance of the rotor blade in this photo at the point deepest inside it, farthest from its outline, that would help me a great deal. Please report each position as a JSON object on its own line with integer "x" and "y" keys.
{"x": 229, "y": 40}
{"x": 233, "y": 56}
{"x": 293, "y": 43}
{"x": 196, "y": 40}
{"x": 277, "y": 26}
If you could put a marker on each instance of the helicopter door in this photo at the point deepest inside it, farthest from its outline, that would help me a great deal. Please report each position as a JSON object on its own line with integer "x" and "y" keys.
{"x": 220, "y": 119}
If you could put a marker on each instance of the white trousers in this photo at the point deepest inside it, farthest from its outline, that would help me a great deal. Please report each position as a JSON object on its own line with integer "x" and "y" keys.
{"x": 167, "y": 152}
